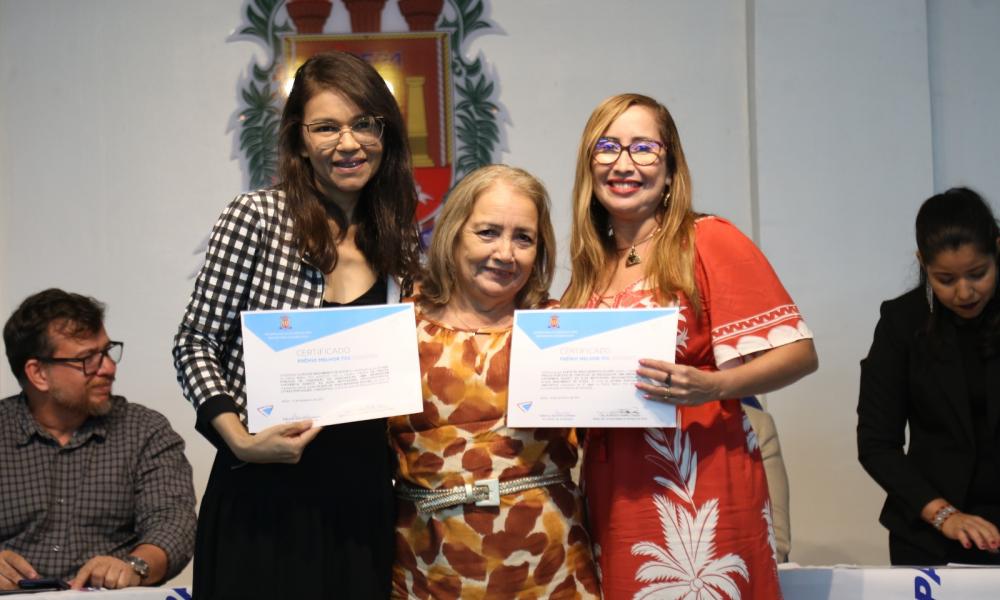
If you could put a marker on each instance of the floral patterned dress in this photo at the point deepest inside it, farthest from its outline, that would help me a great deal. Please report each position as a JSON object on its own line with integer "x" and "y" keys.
{"x": 534, "y": 545}
{"x": 684, "y": 512}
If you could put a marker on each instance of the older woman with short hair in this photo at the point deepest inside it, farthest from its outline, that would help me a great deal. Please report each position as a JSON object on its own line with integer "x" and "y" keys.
{"x": 485, "y": 509}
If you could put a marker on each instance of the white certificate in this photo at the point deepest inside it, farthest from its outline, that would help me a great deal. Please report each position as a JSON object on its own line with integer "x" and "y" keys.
{"x": 577, "y": 368}
{"x": 331, "y": 365}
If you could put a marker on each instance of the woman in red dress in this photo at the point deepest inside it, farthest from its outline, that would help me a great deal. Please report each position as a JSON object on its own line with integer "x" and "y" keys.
{"x": 680, "y": 512}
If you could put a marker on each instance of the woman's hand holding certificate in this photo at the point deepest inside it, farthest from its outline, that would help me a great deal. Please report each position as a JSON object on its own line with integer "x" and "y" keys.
{"x": 577, "y": 368}
{"x": 330, "y": 365}
{"x": 282, "y": 443}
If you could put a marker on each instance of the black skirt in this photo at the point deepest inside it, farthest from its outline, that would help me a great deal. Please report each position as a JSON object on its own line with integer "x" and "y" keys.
{"x": 323, "y": 528}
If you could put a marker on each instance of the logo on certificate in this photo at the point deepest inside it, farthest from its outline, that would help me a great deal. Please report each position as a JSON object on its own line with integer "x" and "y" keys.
{"x": 266, "y": 410}
{"x": 554, "y": 322}
{"x": 285, "y": 322}
{"x": 525, "y": 406}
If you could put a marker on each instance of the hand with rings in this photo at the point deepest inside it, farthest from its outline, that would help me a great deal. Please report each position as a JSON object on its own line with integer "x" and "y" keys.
{"x": 677, "y": 384}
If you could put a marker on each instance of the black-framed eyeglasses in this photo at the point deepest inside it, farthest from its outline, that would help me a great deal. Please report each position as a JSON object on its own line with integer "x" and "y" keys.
{"x": 366, "y": 130}
{"x": 642, "y": 152}
{"x": 91, "y": 363}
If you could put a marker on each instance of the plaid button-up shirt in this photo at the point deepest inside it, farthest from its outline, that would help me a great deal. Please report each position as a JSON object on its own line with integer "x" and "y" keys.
{"x": 122, "y": 480}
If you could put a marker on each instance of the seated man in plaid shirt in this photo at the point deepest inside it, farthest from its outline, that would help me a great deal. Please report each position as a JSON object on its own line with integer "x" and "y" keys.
{"x": 94, "y": 490}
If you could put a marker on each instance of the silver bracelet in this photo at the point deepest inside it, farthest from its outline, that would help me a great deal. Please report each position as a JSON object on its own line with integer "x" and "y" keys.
{"x": 942, "y": 515}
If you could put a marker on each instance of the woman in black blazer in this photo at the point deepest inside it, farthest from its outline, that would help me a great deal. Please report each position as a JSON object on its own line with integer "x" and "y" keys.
{"x": 934, "y": 365}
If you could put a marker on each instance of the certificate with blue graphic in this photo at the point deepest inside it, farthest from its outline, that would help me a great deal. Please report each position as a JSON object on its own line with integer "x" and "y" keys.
{"x": 577, "y": 368}
{"x": 331, "y": 365}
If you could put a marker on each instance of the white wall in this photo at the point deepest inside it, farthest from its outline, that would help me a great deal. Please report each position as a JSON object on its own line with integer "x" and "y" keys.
{"x": 844, "y": 157}
{"x": 558, "y": 60}
{"x": 965, "y": 93}
{"x": 819, "y": 126}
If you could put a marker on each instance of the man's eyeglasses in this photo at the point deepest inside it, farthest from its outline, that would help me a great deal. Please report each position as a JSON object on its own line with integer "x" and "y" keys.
{"x": 642, "y": 152}
{"x": 366, "y": 130}
{"x": 91, "y": 363}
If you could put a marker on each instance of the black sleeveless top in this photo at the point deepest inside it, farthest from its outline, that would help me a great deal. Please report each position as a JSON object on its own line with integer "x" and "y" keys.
{"x": 323, "y": 528}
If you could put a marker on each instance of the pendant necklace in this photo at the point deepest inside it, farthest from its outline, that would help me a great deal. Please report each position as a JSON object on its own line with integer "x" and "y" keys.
{"x": 633, "y": 257}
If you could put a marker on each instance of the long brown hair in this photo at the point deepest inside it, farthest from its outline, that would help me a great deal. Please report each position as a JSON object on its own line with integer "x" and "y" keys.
{"x": 440, "y": 281}
{"x": 591, "y": 250}
{"x": 386, "y": 232}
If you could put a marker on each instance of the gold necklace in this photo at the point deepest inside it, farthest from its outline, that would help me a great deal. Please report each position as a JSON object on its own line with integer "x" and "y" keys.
{"x": 483, "y": 329}
{"x": 633, "y": 257}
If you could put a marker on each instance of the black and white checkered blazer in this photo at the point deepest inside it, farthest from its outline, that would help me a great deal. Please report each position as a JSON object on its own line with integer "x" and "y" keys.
{"x": 252, "y": 263}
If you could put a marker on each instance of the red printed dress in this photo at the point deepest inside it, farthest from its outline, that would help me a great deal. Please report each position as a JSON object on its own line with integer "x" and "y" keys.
{"x": 533, "y": 545}
{"x": 685, "y": 513}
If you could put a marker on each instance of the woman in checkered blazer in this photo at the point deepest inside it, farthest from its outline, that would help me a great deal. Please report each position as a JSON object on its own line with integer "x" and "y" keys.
{"x": 298, "y": 511}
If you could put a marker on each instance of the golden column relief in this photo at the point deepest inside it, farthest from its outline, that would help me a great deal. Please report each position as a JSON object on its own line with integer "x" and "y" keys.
{"x": 416, "y": 121}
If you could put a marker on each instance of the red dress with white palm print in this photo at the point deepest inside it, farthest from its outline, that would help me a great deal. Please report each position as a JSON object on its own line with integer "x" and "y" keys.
{"x": 685, "y": 513}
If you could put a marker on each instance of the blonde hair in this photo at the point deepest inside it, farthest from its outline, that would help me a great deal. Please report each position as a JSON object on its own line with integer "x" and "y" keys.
{"x": 439, "y": 281}
{"x": 671, "y": 265}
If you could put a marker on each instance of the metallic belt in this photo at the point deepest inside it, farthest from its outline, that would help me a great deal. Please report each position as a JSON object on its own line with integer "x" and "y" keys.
{"x": 485, "y": 492}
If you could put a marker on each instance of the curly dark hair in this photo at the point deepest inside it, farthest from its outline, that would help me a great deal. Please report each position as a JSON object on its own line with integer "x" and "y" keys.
{"x": 26, "y": 333}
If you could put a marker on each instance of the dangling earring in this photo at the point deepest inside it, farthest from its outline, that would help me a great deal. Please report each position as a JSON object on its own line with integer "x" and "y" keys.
{"x": 930, "y": 295}
{"x": 666, "y": 198}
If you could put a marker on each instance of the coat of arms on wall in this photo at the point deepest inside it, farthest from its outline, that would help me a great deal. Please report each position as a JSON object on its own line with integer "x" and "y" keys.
{"x": 447, "y": 100}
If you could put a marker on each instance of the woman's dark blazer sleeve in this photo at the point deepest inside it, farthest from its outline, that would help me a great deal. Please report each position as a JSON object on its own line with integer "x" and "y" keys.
{"x": 886, "y": 404}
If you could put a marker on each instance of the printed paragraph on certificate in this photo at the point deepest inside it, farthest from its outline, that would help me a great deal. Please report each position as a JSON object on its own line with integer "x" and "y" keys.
{"x": 331, "y": 365}
{"x": 577, "y": 367}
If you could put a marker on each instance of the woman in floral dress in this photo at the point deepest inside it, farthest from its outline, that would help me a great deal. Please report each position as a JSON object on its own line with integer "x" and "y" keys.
{"x": 680, "y": 512}
{"x": 485, "y": 511}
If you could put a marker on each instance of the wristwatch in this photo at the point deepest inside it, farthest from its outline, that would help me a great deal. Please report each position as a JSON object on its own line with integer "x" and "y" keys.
{"x": 138, "y": 565}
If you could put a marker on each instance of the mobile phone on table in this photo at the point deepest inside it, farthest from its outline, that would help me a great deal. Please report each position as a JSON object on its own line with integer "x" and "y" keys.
{"x": 43, "y": 583}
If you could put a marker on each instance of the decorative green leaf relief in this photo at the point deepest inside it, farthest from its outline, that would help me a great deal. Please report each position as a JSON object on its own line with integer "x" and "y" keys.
{"x": 260, "y": 115}
{"x": 475, "y": 113}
